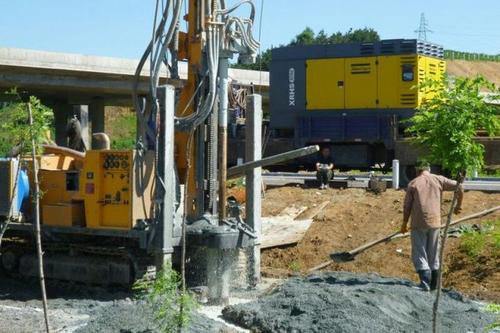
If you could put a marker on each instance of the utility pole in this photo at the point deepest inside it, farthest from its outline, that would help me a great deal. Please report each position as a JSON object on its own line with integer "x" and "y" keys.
{"x": 423, "y": 29}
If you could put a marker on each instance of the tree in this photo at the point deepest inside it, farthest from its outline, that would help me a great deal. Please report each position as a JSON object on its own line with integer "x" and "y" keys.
{"x": 262, "y": 62}
{"x": 14, "y": 124}
{"x": 445, "y": 125}
{"x": 322, "y": 38}
{"x": 308, "y": 37}
{"x": 24, "y": 126}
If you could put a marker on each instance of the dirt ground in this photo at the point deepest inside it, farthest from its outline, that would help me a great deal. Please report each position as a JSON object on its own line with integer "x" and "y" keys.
{"x": 489, "y": 69}
{"x": 354, "y": 217}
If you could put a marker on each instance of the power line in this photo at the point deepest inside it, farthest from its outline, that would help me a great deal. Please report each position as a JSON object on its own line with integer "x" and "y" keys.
{"x": 423, "y": 29}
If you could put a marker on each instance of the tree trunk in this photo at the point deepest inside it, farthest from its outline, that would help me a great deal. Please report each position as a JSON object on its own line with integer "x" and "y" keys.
{"x": 37, "y": 222}
{"x": 441, "y": 258}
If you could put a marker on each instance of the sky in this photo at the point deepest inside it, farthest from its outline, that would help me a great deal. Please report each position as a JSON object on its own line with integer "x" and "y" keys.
{"x": 121, "y": 28}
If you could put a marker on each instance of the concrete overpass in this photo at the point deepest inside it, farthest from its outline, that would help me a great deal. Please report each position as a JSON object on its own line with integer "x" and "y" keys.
{"x": 84, "y": 85}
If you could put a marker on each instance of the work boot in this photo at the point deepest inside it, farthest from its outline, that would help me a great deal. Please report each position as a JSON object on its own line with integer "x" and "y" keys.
{"x": 425, "y": 280}
{"x": 434, "y": 279}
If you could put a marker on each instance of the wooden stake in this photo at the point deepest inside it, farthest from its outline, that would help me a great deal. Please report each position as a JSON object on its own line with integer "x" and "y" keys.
{"x": 441, "y": 257}
{"x": 37, "y": 221}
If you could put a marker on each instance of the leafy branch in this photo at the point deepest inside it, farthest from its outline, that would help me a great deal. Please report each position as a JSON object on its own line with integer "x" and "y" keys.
{"x": 15, "y": 130}
{"x": 171, "y": 306}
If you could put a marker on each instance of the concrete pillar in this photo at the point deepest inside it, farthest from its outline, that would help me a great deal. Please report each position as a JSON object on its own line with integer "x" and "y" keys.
{"x": 62, "y": 112}
{"x": 96, "y": 114}
{"x": 253, "y": 152}
{"x": 166, "y": 193}
{"x": 395, "y": 174}
{"x": 82, "y": 113}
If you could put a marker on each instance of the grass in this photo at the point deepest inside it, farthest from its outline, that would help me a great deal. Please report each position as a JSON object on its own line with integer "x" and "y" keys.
{"x": 495, "y": 309}
{"x": 489, "y": 173}
{"x": 236, "y": 182}
{"x": 476, "y": 243}
{"x": 294, "y": 266}
{"x": 121, "y": 126}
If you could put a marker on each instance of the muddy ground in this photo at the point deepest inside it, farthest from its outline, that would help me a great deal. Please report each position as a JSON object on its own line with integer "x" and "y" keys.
{"x": 354, "y": 217}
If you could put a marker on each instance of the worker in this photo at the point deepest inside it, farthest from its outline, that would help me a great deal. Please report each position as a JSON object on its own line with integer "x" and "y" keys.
{"x": 324, "y": 167}
{"x": 423, "y": 204}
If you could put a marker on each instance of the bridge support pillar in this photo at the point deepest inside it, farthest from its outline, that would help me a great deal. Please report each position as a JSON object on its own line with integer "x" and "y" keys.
{"x": 96, "y": 113}
{"x": 62, "y": 112}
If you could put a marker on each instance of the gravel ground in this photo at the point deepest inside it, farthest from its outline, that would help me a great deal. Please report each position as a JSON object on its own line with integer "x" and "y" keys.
{"x": 81, "y": 309}
{"x": 345, "y": 302}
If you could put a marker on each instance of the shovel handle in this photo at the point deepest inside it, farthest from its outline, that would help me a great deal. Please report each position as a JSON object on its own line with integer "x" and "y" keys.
{"x": 371, "y": 244}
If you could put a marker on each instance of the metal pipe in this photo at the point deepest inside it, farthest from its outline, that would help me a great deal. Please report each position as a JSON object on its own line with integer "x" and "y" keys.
{"x": 213, "y": 158}
{"x": 223, "y": 117}
{"x": 241, "y": 169}
{"x": 63, "y": 151}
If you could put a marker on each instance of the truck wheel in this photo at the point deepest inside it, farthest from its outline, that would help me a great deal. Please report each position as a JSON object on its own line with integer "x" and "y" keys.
{"x": 10, "y": 261}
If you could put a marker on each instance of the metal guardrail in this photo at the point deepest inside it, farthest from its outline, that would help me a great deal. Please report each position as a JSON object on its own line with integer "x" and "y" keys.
{"x": 489, "y": 184}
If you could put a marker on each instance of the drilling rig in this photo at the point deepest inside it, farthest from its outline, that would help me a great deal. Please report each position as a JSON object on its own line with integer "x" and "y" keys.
{"x": 110, "y": 217}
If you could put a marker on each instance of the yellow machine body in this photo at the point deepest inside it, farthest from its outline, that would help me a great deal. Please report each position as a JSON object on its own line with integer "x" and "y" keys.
{"x": 376, "y": 82}
{"x": 111, "y": 189}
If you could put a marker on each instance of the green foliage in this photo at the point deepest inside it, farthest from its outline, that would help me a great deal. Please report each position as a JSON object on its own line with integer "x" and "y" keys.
{"x": 474, "y": 243}
{"x": 14, "y": 123}
{"x": 236, "y": 182}
{"x": 122, "y": 131}
{"x": 306, "y": 37}
{"x": 172, "y": 308}
{"x": 294, "y": 266}
{"x": 446, "y": 124}
{"x": 262, "y": 62}
{"x": 495, "y": 309}
{"x": 309, "y": 37}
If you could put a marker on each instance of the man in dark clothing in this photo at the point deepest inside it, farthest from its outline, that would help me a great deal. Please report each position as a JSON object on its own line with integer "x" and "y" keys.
{"x": 324, "y": 167}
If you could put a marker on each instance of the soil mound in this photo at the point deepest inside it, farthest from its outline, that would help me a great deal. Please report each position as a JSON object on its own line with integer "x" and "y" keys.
{"x": 355, "y": 217}
{"x": 346, "y": 302}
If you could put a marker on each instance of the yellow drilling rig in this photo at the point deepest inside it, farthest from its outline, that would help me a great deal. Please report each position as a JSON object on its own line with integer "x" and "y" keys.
{"x": 111, "y": 216}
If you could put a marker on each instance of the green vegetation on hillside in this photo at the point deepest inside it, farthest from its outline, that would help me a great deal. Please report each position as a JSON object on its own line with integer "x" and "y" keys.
{"x": 459, "y": 55}
{"x": 121, "y": 124}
